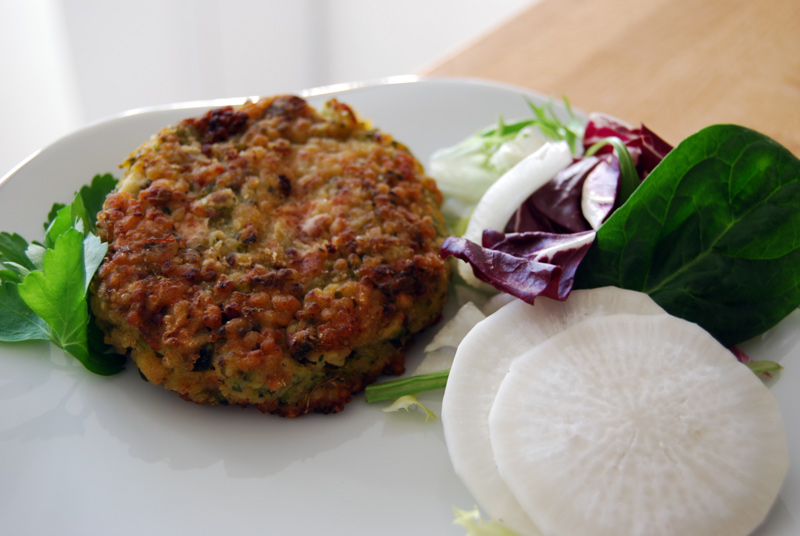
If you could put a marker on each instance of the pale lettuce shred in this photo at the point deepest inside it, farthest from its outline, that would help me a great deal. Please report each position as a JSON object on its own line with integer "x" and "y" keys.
{"x": 451, "y": 333}
{"x": 465, "y": 171}
{"x": 475, "y": 525}
{"x": 409, "y": 401}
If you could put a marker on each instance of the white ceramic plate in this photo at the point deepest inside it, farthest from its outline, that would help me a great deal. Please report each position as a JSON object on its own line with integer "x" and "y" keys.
{"x": 84, "y": 454}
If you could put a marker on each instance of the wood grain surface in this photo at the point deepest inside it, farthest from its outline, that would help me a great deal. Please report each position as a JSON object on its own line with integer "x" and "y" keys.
{"x": 675, "y": 65}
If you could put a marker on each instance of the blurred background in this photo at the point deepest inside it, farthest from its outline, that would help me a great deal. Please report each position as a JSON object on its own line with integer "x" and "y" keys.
{"x": 67, "y": 63}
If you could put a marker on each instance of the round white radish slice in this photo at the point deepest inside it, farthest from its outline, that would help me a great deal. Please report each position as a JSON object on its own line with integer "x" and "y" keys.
{"x": 481, "y": 363}
{"x": 503, "y": 197}
{"x": 638, "y": 426}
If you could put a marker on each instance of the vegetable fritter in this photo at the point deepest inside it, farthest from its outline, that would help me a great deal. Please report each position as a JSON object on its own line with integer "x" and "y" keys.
{"x": 270, "y": 255}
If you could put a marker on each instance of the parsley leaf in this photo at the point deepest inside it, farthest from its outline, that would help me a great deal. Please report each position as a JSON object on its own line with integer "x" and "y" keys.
{"x": 61, "y": 282}
{"x": 12, "y": 250}
{"x": 14, "y": 263}
{"x": 17, "y": 321}
{"x": 94, "y": 195}
{"x": 44, "y": 290}
{"x": 52, "y": 214}
{"x": 91, "y": 197}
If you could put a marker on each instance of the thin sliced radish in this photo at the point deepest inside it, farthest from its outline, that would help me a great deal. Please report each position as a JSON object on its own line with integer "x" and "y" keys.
{"x": 503, "y": 197}
{"x": 481, "y": 363}
{"x": 638, "y": 426}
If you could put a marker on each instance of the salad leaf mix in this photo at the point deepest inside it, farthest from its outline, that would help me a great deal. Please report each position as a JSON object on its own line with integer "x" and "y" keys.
{"x": 552, "y": 230}
{"x": 707, "y": 229}
{"x": 710, "y": 235}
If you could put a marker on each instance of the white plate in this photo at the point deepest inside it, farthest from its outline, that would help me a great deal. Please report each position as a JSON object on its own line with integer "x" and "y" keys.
{"x": 84, "y": 454}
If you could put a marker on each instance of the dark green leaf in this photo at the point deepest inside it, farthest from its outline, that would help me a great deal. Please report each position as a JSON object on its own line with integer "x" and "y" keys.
{"x": 12, "y": 249}
{"x": 103, "y": 358}
{"x": 52, "y": 214}
{"x": 94, "y": 195}
{"x": 17, "y": 321}
{"x": 11, "y": 276}
{"x": 713, "y": 234}
{"x": 64, "y": 221}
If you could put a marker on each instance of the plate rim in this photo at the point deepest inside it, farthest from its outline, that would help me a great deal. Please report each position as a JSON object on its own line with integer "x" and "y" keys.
{"x": 335, "y": 88}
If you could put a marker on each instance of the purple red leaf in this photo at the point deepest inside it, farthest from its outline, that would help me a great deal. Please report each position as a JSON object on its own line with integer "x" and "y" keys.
{"x": 525, "y": 265}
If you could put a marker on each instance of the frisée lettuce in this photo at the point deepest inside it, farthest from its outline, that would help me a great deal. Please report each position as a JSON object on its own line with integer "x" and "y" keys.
{"x": 466, "y": 170}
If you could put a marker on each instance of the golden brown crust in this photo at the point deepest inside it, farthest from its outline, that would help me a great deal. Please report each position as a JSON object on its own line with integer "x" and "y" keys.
{"x": 270, "y": 255}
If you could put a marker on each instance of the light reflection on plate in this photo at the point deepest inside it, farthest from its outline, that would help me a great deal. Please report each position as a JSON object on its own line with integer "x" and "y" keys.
{"x": 86, "y": 454}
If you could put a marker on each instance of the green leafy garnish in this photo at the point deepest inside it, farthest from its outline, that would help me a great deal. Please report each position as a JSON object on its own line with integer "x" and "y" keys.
{"x": 406, "y": 386}
{"x": 94, "y": 195}
{"x": 553, "y": 128}
{"x": 406, "y": 390}
{"x": 91, "y": 201}
{"x": 44, "y": 290}
{"x": 545, "y": 119}
{"x": 12, "y": 250}
{"x": 764, "y": 367}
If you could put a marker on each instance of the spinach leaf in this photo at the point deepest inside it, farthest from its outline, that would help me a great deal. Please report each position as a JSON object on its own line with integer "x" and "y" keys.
{"x": 713, "y": 234}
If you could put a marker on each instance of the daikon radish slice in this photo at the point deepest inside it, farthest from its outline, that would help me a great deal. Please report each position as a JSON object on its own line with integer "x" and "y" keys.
{"x": 481, "y": 363}
{"x": 632, "y": 425}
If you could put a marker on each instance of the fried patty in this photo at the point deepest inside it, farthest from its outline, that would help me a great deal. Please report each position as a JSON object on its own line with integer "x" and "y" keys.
{"x": 270, "y": 255}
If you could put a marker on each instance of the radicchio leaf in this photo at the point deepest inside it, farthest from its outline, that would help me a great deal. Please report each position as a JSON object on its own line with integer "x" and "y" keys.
{"x": 577, "y": 199}
{"x": 600, "y": 190}
{"x": 645, "y": 147}
{"x": 556, "y": 206}
{"x": 525, "y": 265}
